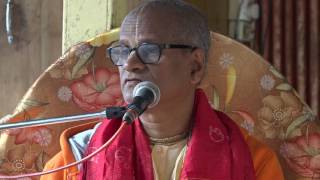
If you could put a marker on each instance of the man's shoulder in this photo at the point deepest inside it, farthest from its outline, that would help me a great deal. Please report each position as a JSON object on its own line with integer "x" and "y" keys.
{"x": 256, "y": 146}
{"x": 78, "y": 133}
{"x": 73, "y": 131}
{"x": 80, "y": 141}
{"x": 66, "y": 156}
{"x": 265, "y": 160}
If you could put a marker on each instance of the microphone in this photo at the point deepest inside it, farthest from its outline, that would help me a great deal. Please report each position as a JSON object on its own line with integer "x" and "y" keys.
{"x": 145, "y": 95}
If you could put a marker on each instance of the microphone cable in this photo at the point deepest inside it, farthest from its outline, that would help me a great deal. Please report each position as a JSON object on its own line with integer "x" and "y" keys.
{"x": 105, "y": 145}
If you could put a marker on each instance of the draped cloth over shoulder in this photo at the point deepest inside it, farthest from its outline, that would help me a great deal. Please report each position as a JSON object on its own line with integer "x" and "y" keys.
{"x": 216, "y": 150}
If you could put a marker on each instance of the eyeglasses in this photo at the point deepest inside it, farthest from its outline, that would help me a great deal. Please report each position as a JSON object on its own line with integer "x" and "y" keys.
{"x": 148, "y": 53}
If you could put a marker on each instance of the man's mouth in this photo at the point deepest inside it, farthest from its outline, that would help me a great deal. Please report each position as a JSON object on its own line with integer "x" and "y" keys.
{"x": 132, "y": 80}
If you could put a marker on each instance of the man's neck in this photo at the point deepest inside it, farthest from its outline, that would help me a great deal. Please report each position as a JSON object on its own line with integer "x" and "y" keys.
{"x": 168, "y": 121}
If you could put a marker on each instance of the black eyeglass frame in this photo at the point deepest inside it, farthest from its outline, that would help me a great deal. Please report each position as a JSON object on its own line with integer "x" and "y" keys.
{"x": 161, "y": 47}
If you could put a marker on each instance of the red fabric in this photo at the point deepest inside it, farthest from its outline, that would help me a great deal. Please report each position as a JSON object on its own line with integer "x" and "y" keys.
{"x": 216, "y": 150}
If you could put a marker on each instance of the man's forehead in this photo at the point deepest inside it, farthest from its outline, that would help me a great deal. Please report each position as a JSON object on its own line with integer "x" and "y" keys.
{"x": 133, "y": 25}
{"x": 147, "y": 28}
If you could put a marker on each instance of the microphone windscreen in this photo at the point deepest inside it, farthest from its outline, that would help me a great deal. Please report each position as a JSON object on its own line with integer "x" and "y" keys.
{"x": 140, "y": 89}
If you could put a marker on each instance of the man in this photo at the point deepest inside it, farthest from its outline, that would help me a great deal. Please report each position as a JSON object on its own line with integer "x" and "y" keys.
{"x": 166, "y": 42}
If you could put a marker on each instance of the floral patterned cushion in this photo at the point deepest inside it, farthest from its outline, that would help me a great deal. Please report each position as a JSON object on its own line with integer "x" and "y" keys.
{"x": 238, "y": 82}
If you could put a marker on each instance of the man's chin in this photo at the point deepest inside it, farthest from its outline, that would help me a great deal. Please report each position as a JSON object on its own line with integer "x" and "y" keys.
{"x": 127, "y": 91}
{"x": 127, "y": 96}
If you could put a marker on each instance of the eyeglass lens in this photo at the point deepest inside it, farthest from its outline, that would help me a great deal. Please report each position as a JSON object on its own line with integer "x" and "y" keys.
{"x": 148, "y": 53}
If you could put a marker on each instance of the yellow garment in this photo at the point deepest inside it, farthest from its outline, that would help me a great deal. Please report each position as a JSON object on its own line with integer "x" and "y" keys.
{"x": 165, "y": 160}
{"x": 266, "y": 164}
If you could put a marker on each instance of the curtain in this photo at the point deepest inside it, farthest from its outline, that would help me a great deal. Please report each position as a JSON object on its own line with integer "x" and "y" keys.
{"x": 289, "y": 39}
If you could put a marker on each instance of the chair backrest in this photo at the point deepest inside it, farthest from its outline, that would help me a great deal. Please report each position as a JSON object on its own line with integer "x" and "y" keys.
{"x": 238, "y": 82}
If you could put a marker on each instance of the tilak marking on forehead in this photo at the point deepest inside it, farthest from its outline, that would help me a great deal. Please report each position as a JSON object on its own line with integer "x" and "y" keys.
{"x": 132, "y": 26}
{"x": 129, "y": 25}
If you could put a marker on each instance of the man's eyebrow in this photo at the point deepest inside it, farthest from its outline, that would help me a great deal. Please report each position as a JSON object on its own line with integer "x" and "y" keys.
{"x": 126, "y": 42}
{"x": 123, "y": 41}
{"x": 146, "y": 40}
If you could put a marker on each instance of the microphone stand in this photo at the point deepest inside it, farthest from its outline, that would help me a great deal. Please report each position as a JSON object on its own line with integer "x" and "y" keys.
{"x": 110, "y": 113}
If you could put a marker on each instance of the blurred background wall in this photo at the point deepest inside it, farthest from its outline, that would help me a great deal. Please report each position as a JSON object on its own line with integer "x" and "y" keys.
{"x": 37, "y": 32}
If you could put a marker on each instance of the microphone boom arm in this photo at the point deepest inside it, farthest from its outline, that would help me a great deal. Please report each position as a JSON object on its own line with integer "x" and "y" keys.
{"x": 111, "y": 113}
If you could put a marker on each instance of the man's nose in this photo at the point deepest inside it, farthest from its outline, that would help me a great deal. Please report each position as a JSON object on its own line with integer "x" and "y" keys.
{"x": 133, "y": 64}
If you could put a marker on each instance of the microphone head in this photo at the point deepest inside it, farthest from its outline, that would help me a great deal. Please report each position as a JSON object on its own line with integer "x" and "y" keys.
{"x": 140, "y": 88}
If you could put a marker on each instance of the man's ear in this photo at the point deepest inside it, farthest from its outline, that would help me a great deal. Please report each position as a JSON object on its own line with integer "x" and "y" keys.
{"x": 197, "y": 66}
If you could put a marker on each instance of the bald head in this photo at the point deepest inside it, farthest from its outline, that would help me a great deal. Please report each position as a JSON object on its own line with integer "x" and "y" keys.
{"x": 174, "y": 21}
